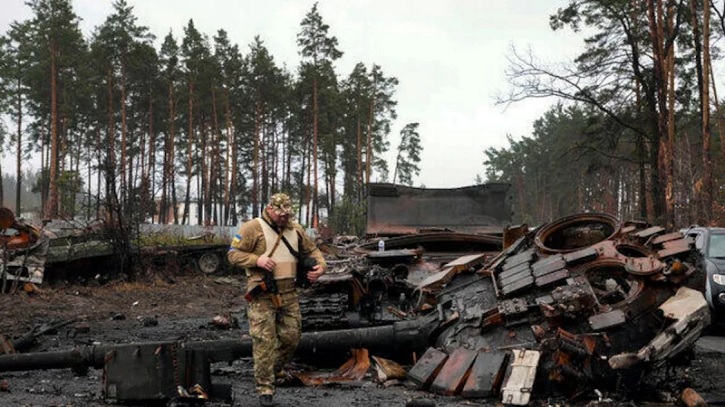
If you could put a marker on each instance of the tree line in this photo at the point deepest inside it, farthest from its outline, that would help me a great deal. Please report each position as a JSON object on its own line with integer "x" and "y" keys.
{"x": 639, "y": 128}
{"x": 142, "y": 133}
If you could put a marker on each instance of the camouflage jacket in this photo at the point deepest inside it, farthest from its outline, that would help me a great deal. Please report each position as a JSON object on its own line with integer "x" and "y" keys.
{"x": 249, "y": 243}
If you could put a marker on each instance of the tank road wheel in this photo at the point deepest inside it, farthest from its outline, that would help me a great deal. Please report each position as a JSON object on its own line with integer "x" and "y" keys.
{"x": 209, "y": 263}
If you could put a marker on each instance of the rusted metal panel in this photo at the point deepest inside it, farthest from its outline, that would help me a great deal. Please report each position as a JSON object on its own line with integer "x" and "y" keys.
{"x": 514, "y": 270}
{"x": 643, "y": 266}
{"x": 501, "y": 257}
{"x": 521, "y": 258}
{"x": 552, "y": 277}
{"x": 547, "y": 260}
{"x": 466, "y": 262}
{"x": 153, "y": 372}
{"x": 542, "y": 268}
{"x": 667, "y": 237}
{"x": 580, "y": 256}
{"x": 388, "y": 256}
{"x": 518, "y": 285}
{"x": 675, "y": 247}
{"x": 513, "y": 311}
{"x": 429, "y": 365}
{"x": 438, "y": 278}
{"x": 651, "y": 231}
{"x": 512, "y": 278}
{"x": 486, "y": 375}
{"x": 397, "y": 209}
{"x": 452, "y": 376}
{"x": 519, "y": 384}
{"x": 607, "y": 320}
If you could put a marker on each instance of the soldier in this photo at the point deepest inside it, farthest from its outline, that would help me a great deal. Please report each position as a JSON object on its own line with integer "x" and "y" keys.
{"x": 269, "y": 246}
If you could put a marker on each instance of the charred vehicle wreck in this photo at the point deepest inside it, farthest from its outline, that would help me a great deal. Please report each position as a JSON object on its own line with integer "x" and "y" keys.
{"x": 584, "y": 302}
{"x": 410, "y": 234}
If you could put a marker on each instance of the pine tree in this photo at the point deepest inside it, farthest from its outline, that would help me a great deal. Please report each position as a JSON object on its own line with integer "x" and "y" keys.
{"x": 408, "y": 158}
{"x": 57, "y": 42}
{"x": 320, "y": 51}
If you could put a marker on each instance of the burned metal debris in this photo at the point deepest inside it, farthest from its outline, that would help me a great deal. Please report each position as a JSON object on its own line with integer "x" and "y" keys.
{"x": 576, "y": 303}
{"x": 585, "y": 302}
{"x": 23, "y": 250}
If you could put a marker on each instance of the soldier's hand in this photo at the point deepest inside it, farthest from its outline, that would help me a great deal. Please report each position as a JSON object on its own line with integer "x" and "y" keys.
{"x": 315, "y": 273}
{"x": 266, "y": 263}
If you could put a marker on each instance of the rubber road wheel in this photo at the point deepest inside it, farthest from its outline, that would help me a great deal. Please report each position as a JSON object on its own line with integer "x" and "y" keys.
{"x": 209, "y": 263}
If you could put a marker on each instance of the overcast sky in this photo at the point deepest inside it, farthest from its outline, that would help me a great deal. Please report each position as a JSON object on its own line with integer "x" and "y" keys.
{"x": 449, "y": 56}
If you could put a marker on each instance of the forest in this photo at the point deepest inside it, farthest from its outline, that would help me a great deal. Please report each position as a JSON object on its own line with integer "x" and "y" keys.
{"x": 200, "y": 124}
{"x": 637, "y": 130}
{"x": 129, "y": 132}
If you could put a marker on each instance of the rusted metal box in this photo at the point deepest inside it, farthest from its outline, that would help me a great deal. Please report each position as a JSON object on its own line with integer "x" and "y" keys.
{"x": 454, "y": 373}
{"x": 486, "y": 375}
{"x": 160, "y": 371}
{"x": 427, "y": 368}
{"x": 401, "y": 210}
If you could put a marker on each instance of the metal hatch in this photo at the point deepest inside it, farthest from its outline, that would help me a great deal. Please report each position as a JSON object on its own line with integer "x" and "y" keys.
{"x": 400, "y": 210}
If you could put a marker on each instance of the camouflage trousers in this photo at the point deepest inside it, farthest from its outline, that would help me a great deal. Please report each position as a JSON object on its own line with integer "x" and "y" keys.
{"x": 275, "y": 334}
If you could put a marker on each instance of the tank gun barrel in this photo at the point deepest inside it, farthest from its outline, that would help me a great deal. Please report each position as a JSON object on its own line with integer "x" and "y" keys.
{"x": 406, "y": 335}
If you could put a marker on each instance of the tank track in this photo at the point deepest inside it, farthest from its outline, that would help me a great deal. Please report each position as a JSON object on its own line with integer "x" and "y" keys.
{"x": 324, "y": 311}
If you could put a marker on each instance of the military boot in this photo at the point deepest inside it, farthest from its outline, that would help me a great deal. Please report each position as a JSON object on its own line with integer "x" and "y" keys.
{"x": 266, "y": 400}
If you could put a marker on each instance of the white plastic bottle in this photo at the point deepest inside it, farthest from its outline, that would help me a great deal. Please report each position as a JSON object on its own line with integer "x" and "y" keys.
{"x": 381, "y": 245}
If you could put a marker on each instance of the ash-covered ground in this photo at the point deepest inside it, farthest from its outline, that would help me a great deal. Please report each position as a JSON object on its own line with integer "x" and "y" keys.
{"x": 182, "y": 307}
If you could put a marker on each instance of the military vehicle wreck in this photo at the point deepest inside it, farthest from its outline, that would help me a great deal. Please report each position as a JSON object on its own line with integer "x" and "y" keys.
{"x": 421, "y": 230}
{"x": 578, "y": 303}
{"x": 76, "y": 251}
{"x": 23, "y": 250}
{"x": 584, "y": 302}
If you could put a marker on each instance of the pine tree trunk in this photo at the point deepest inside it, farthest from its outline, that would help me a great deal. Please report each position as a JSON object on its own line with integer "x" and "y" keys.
{"x": 189, "y": 157}
{"x": 171, "y": 178}
{"x": 228, "y": 167}
{"x": 52, "y": 204}
{"x": 670, "y": 74}
{"x": 264, "y": 160}
{"x": 125, "y": 185}
{"x": 213, "y": 175}
{"x": 149, "y": 191}
{"x": 206, "y": 167}
{"x": 359, "y": 172}
{"x": 99, "y": 173}
{"x": 369, "y": 148}
{"x": 315, "y": 114}
{"x": 255, "y": 171}
{"x": 308, "y": 190}
{"x": 660, "y": 156}
{"x": 110, "y": 164}
{"x": 718, "y": 113}
{"x": 18, "y": 155}
{"x": 706, "y": 153}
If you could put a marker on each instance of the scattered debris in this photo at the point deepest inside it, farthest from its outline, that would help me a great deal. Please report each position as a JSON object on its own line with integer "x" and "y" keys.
{"x": 571, "y": 307}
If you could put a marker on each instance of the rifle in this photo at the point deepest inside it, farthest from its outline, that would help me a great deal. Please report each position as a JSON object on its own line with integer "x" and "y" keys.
{"x": 267, "y": 285}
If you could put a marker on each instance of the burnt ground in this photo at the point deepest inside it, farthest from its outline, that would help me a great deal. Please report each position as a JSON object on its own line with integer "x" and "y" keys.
{"x": 164, "y": 308}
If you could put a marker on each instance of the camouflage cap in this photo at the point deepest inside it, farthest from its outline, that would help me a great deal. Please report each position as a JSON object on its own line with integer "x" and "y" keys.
{"x": 281, "y": 204}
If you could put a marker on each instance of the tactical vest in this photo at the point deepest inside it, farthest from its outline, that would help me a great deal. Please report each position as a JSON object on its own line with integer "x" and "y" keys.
{"x": 286, "y": 263}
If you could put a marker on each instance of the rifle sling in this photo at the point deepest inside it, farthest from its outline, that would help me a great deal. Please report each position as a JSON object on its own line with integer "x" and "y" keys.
{"x": 294, "y": 252}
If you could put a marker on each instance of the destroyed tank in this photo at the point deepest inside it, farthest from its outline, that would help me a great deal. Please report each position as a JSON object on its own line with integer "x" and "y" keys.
{"x": 421, "y": 229}
{"x": 584, "y": 302}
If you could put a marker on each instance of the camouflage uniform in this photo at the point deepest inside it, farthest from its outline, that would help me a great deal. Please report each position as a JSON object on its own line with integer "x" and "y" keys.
{"x": 275, "y": 331}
